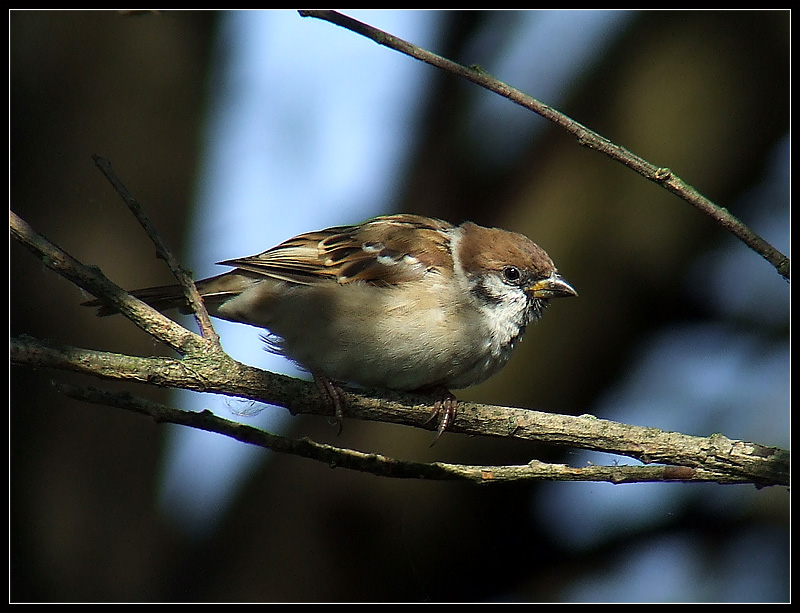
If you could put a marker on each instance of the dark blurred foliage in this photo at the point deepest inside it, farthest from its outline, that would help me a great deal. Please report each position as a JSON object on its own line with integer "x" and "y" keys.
{"x": 705, "y": 93}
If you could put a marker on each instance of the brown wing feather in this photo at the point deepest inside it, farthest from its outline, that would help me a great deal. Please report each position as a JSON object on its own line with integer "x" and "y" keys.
{"x": 384, "y": 250}
{"x": 388, "y": 249}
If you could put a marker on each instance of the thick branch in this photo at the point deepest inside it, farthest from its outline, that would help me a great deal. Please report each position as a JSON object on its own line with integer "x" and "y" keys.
{"x": 95, "y": 282}
{"x": 337, "y": 457}
{"x": 715, "y": 458}
{"x": 663, "y": 176}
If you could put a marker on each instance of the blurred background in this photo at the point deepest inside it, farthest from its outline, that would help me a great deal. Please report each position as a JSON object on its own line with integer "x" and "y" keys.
{"x": 236, "y": 130}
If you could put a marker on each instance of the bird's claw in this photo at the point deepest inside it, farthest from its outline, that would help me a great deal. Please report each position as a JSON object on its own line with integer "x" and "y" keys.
{"x": 334, "y": 397}
{"x": 444, "y": 408}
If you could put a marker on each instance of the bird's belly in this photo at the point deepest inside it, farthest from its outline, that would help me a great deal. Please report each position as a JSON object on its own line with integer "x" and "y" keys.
{"x": 377, "y": 337}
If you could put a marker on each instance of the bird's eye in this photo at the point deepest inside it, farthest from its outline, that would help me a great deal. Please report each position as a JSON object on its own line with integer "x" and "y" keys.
{"x": 512, "y": 274}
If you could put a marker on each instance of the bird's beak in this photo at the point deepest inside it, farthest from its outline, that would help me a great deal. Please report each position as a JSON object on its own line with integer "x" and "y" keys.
{"x": 552, "y": 287}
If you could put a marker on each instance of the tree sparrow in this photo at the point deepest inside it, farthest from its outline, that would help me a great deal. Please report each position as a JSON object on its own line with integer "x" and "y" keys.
{"x": 400, "y": 302}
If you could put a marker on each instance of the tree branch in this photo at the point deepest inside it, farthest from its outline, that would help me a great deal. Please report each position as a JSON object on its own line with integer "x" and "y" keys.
{"x": 694, "y": 458}
{"x": 662, "y": 176}
{"x": 205, "y": 367}
{"x": 183, "y": 277}
{"x": 95, "y": 282}
{"x": 337, "y": 457}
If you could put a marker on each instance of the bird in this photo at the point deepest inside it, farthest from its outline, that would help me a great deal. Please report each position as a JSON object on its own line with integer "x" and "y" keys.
{"x": 399, "y": 302}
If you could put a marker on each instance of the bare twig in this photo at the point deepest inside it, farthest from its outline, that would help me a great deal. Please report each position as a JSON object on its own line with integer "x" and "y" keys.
{"x": 183, "y": 277}
{"x": 663, "y": 176}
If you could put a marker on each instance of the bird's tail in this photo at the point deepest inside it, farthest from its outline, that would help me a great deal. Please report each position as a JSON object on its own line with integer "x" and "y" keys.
{"x": 214, "y": 291}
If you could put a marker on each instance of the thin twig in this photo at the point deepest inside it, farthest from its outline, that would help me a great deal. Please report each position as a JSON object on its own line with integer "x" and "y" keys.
{"x": 662, "y": 176}
{"x": 183, "y": 277}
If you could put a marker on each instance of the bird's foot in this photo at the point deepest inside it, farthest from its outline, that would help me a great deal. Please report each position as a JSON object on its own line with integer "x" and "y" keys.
{"x": 333, "y": 396}
{"x": 444, "y": 408}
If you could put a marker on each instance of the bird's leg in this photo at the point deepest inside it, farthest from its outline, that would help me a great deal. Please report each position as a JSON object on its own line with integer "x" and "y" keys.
{"x": 444, "y": 407}
{"x": 332, "y": 396}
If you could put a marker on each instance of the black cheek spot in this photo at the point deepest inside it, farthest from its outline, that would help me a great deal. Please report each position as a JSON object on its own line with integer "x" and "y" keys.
{"x": 480, "y": 291}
